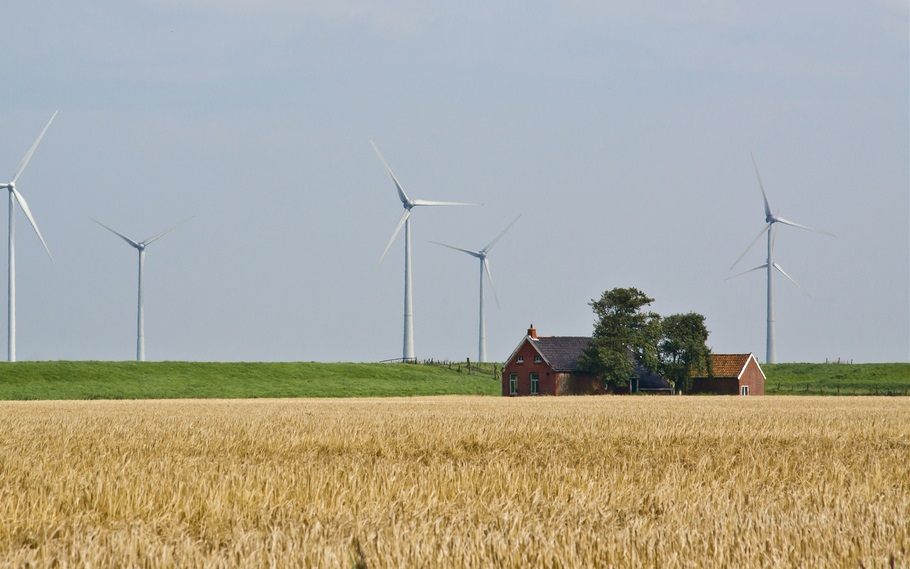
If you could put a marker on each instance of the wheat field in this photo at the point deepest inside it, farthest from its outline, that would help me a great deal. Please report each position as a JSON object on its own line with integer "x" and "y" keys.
{"x": 457, "y": 482}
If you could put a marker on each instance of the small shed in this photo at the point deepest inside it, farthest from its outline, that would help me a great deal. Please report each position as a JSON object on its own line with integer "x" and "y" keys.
{"x": 734, "y": 374}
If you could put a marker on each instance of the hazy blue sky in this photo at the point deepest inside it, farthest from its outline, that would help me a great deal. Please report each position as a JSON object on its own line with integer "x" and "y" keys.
{"x": 621, "y": 132}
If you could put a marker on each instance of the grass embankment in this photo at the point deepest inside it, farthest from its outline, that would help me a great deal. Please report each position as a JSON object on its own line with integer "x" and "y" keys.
{"x": 208, "y": 380}
{"x": 837, "y": 379}
{"x": 195, "y": 380}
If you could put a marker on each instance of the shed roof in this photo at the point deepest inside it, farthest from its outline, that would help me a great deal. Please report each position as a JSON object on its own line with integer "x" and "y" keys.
{"x": 730, "y": 365}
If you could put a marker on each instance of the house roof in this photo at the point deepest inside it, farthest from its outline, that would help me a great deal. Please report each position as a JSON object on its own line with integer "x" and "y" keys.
{"x": 730, "y": 365}
{"x": 650, "y": 381}
{"x": 562, "y": 352}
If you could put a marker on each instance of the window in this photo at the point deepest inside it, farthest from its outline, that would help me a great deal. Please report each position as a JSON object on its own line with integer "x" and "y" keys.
{"x": 535, "y": 383}
{"x": 537, "y": 359}
{"x": 520, "y": 360}
{"x": 744, "y": 390}
{"x": 513, "y": 384}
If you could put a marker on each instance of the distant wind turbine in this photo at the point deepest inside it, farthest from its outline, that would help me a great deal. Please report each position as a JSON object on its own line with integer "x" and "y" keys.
{"x": 408, "y": 204}
{"x": 770, "y": 220}
{"x": 140, "y": 246}
{"x": 15, "y": 196}
{"x": 484, "y": 268}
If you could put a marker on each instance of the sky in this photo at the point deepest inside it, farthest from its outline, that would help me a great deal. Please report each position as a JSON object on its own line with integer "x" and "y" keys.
{"x": 621, "y": 132}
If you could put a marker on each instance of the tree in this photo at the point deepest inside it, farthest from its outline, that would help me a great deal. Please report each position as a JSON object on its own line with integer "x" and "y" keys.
{"x": 683, "y": 349}
{"x": 623, "y": 334}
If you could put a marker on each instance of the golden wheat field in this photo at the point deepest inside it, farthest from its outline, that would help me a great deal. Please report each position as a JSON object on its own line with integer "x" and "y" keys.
{"x": 457, "y": 482}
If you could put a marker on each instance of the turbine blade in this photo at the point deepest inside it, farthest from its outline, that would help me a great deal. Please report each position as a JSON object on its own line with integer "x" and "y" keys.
{"x": 31, "y": 219}
{"x": 783, "y": 272}
{"x": 117, "y": 233}
{"x": 404, "y": 217}
{"x": 468, "y": 251}
{"x": 752, "y": 244}
{"x": 801, "y": 226}
{"x": 498, "y": 237}
{"x": 28, "y": 155}
{"x": 760, "y": 185}
{"x": 486, "y": 266}
{"x": 765, "y": 265}
{"x": 401, "y": 195}
{"x": 432, "y": 203}
{"x": 151, "y": 240}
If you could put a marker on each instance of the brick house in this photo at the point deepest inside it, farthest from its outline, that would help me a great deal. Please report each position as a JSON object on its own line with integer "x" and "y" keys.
{"x": 734, "y": 374}
{"x": 548, "y": 365}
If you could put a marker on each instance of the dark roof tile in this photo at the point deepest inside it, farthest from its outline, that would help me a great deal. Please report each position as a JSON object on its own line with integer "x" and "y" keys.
{"x": 562, "y": 352}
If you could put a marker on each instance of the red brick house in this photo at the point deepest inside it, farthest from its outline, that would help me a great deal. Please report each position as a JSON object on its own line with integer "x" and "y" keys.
{"x": 734, "y": 374}
{"x": 548, "y": 365}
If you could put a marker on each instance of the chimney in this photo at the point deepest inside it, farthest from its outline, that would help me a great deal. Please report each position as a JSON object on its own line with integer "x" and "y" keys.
{"x": 532, "y": 333}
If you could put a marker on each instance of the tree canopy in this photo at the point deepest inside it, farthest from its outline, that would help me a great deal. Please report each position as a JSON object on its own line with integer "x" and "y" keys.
{"x": 626, "y": 333}
{"x": 683, "y": 349}
{"x": 623, "y": 334}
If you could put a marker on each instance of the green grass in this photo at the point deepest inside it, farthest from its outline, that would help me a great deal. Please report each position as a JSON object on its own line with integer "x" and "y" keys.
{"x": 837, "y": 379}
{"x": 182, "y": 380}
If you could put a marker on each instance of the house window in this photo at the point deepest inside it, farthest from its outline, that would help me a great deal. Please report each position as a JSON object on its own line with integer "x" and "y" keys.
{"x": 520, "y": 360}
{"x": 535, "y": 383}
{"x": 744, "y": 390}
{"x": 513, "y": 384}
{"x": 537, "y": 359}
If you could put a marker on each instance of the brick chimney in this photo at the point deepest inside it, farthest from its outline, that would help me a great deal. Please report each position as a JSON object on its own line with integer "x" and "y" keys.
{"x": 532, "y": 333}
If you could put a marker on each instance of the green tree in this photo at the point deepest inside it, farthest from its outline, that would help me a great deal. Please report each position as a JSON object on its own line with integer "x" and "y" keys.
{"x": 683, "y": 349}
{"x": 624, "y": 332}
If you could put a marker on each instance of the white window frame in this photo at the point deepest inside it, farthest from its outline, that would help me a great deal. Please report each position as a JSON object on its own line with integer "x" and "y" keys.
{"x": 538, "y": 359}
{"x": 513, "y": 384}
{"x": 744, "y": 390}
{"x": 534, "y": 378}
{"x": 520, "y": 360}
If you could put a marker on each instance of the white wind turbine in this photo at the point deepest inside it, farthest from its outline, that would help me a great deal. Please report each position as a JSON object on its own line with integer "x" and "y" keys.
{"x": 408, "y": 204}
{"x": 484, "y": 268}
{"x": 15, "y": 196}
{"x": 140, "y": 246}
{"x": 770, "y": 220}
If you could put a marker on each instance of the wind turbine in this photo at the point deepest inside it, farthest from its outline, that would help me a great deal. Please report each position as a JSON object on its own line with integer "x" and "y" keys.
{"x": 140, "y": 246}
{"x": 408, "y": 204}
{"x": 15, "y": 196}
{"x": 484, "y": 268}
{"x": 770, "y": 220}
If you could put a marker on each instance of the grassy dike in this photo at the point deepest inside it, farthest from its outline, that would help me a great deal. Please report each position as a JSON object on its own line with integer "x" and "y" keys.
{"x": 209, "y": 380}
{"x": 212, "y": 380}
{"x": 837, "y": 379}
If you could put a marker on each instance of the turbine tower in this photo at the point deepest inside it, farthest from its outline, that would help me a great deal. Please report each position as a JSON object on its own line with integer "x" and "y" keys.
{"x": 15, "y": 196}
{"x": 484, "y": 268}
{"x": 770, "y": 220}
{"x": 140, "y": 246}
{"x": 408, "y": 204}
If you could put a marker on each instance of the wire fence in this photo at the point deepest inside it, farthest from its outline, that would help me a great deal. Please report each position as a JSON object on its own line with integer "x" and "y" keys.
{"x": 493, "y": 370}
